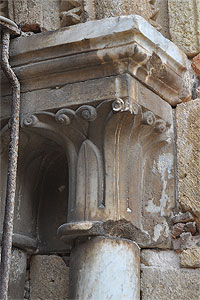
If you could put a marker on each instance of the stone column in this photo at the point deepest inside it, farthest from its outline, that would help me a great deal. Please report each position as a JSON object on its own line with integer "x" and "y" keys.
{"x": 105, "y": 268}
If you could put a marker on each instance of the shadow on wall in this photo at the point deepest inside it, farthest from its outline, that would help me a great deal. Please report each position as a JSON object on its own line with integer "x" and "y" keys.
{"x": 42, "y": 191}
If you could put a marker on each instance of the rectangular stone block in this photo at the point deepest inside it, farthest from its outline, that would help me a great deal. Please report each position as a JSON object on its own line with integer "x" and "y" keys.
{"x": 190, "y": 258}
{"x": 35, "y": 15}
{"x": 17, "y": 275}
{"x": 162, "y": 277}
{"x": 188, "y": 155}
{"x": 48, "y": 278}
{"x": 184, "y": 22}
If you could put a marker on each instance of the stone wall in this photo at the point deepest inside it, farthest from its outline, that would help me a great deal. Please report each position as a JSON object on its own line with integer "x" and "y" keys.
{"x": 54, "y": 14}
{"x": 163, "y": 278}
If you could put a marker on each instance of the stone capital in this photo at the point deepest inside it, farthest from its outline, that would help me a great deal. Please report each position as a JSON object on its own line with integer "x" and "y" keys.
{"x": 102, "y": 91}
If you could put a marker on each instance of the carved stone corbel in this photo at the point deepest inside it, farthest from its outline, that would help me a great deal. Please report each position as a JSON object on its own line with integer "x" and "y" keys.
{"x": 107, "y": 148}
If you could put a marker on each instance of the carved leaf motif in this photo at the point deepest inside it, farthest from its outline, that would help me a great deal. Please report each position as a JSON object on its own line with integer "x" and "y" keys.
{"x": 89, "y": 182}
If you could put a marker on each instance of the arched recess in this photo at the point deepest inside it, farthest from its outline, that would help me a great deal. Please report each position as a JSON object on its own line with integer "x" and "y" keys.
{"x": 42, "y": 191}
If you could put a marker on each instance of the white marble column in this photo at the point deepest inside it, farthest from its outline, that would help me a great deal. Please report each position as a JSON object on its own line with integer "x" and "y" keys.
{"x": 105, "y": 269}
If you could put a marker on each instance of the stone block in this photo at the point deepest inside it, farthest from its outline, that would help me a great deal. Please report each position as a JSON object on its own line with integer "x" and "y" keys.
{"x": 183, "y": 218}
{"x": 177, "y": 230}
{"x": 17, "y": 275}
{"x": 78, "y": 11}
{"x": 48, "y": 278}
{"x": 184, "y": 23}
{"x": 159, "y": 258}
{"x": 188, "y": 241}
{"x": 35, "y": 15}
{"x": 111, "y": 8}
{"x": 190, "y": 258}
{"x": 162, "y": 17}
{"x": 188, "y": 156}
{"x": 162, "y": 277}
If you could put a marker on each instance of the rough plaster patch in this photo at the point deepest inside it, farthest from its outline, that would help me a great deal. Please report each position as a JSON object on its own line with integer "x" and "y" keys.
{"x": 161, "y": 229}
{"x": 167, "y": 259}
{"x": 152, "y": 208}
{"x": 164, "y": 166}
{"x": 157, "y": 232}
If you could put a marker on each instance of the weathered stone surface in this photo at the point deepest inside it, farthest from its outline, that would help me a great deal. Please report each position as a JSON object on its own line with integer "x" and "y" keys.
{"x": 48, "y": 278}
{"x": 96, "y": 49}
{"x": 4, "y": 8}
{"x": 162, "y": 17}
{"x": 83, "y": 58}
{"x": 184, "y": 23}
{"x": 186, "y": 241}
{"x": 162, "y": 277}
{"x": 196, "y": 64}
{"x": 190, "y": 258}
{"x": 71, "y": 12}
{"x": 190, "y": 227}
{"x": 159, "y": 258}
{"x": 17, "y": 275}
{"x": 183, "y": 218}
{"x": 177, "y": 230}
{"x": 35, "y": 15}
{"x": 188, "y": 154}
{"x": 105, "y": 268}
{"x": 112, "y": 8}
